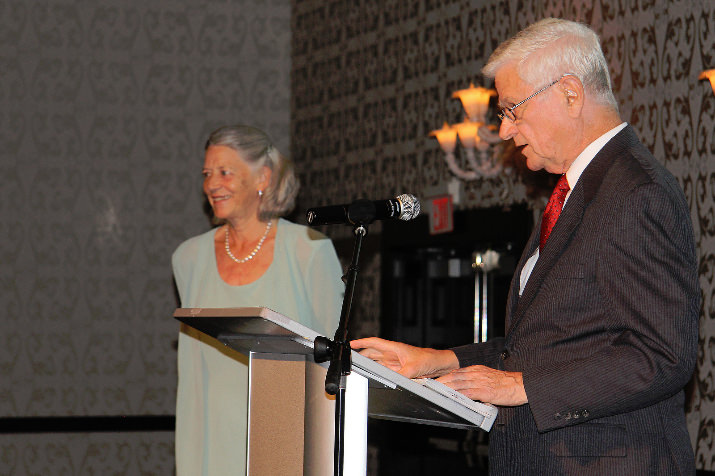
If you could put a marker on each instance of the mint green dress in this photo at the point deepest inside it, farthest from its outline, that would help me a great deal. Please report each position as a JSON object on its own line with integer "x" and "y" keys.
{"x": 303, "y": 283}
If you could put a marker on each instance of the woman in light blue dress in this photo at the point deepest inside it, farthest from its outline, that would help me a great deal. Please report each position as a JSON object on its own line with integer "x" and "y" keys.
{"x": 253, "y": 258}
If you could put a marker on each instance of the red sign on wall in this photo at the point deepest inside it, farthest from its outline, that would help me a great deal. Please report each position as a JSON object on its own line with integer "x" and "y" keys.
{"x": 440, "y": 218}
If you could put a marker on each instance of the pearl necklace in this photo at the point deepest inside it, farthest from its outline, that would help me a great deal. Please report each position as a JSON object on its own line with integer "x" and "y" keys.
{"x": 255, "y": 250}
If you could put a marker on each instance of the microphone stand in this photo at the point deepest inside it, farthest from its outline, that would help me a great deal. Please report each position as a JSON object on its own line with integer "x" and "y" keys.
{"x": 338, "y": 352}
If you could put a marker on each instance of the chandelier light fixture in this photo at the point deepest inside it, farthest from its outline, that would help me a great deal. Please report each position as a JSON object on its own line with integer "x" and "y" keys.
{"x": 709, "y": 74}
{"x": 476, "y": 136}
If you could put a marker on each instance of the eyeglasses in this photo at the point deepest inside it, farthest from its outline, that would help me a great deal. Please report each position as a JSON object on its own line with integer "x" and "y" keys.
{"x": 508, "y": 112}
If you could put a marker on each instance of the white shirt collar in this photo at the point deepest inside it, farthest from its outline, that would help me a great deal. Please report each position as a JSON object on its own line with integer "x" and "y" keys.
{"x": 586, "y": 156}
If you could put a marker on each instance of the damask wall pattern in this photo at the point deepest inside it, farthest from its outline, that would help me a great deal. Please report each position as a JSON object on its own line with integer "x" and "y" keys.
{"x": 371, "y": 79}
{"x": 105, "y": 108}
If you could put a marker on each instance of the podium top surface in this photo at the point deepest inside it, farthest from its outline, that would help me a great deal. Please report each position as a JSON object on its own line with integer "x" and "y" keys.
{"x": 391, "y": 395}
{"x": 250, "y": 329}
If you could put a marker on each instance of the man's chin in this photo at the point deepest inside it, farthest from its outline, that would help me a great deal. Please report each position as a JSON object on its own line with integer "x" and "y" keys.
{"x": 533, "y": 163}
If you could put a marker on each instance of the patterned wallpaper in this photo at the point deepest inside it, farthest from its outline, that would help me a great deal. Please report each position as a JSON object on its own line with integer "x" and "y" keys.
{"x": 105, "y": 105}
{"x": 371, "y": 79}
{"x": 105, "y": 108}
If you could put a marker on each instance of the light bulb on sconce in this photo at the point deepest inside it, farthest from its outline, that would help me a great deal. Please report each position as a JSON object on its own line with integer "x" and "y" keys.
{"x": 710, "y": 75}
{"x": 475, "y": 101}
{"x": 474, "y": 135}
{"x": 447, "y": 138}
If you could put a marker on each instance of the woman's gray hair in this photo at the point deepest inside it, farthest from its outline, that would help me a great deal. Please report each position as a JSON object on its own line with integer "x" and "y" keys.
{"x": 256, "y": 149}
{"x": 552, "y": 47}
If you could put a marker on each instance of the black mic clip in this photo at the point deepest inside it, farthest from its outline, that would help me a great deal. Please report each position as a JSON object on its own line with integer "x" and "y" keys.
{"x": 362, "y": 212}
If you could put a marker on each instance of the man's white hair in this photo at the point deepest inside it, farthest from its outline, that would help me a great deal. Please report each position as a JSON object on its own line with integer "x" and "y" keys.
{"x": 552, "y": 47}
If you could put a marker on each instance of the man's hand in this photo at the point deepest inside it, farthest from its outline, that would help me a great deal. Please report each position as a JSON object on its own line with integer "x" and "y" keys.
{"x": 488, "y": 385}
{"x": 405, "y": 359}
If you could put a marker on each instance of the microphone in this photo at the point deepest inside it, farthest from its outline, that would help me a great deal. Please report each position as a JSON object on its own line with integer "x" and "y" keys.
{"x": 363, "y": 212}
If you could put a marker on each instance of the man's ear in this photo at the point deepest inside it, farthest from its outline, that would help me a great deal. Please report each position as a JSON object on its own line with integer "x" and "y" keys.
{"x": 573, "y": 92}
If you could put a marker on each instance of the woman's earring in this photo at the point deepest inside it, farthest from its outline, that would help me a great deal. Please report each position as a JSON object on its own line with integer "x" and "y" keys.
{"x": 260, "y": 194}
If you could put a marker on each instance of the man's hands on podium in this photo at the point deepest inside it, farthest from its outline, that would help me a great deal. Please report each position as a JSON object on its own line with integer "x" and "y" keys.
{"x": 488, "y": 385}
{"x": 406, "y": 359}
{"x": 477, "y": 382}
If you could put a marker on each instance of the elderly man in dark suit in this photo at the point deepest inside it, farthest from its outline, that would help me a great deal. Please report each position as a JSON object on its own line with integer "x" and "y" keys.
{"x": 602, "y": 316}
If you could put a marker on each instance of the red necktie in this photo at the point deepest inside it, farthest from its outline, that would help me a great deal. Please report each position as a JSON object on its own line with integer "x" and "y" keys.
{"x": 553, "y": 209}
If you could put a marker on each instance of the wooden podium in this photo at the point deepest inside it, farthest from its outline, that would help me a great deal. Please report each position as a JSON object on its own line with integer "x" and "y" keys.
{"x": 291, "y": 418}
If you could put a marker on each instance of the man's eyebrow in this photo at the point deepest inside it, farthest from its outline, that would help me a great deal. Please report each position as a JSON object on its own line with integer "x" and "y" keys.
{"x": 502, "y": 103}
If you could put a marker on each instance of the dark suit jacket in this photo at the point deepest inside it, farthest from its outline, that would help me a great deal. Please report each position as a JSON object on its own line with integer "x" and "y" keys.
{"x": 606, "y": 330}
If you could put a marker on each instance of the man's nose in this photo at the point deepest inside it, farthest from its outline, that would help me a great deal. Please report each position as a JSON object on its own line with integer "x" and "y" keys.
{"x": 507, "y": 129}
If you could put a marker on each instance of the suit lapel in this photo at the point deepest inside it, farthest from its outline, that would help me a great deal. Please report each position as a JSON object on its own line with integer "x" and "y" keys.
{"x": 559, "y": 239}
{"x": 513, "y": 297}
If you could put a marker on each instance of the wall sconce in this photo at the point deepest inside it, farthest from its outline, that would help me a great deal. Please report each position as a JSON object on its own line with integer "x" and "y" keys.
{"x": 474, "y": 134}
{"x": 709, "y": 74}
